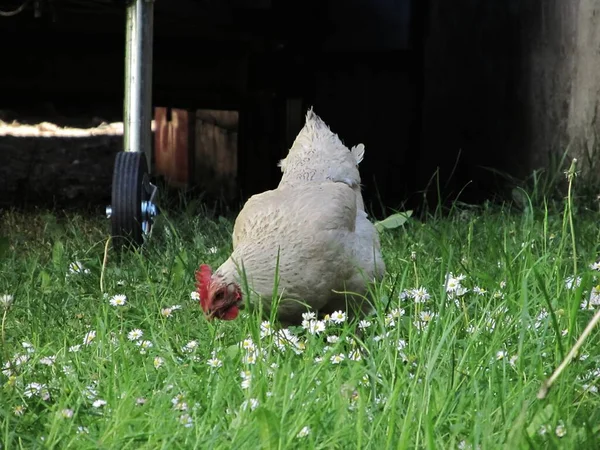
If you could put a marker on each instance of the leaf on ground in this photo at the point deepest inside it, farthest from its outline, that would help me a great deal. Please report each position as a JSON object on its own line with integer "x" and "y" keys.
{"x": 393, "y": 221}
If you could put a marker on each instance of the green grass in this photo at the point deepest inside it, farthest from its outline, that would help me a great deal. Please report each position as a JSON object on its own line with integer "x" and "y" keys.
{"x": 467, "y": 378}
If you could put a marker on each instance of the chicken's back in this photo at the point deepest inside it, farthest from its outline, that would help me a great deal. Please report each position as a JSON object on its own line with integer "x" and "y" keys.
{"x": 313, "y": 231}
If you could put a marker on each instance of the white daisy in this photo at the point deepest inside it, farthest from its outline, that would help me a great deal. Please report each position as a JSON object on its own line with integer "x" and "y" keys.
{"x": 6, "y": 300}
{"x": 305, "y": 431}
{"x": 118, "y": 300}
{"x": 420, "y": 295}
{"x": 397, "y": 312}
{"x": 215, "y": 363}
{"x": 452, "y": 283}
{"x": 135, "y": 334}
{"x": 426, "y": 316}
{"x": 190, "y": 347}
{"x": 90, "y": 392}
{"x": 144, "y": 346}
{"x": 89, "y": 337}
{"x": 250, "y": 358}
{"x": 337, "y": 359}
{"x": 265, "y": 329}
{"x": 479, "y": 291}
{"x": 252, "y": 403}
{"x": 77, "y": 267}
{"x": 572, "y": 282}
{"x": 186, "y": 420}
{"x": 246, "y": 379}
{"x": 48, "y": 360}
{"x": 363, "y": 324}
{"x": 460, "y": 291}
{"x": 248, "y": 344}
{"x": 561, "y": 430}
{"x": 338, "y": 317}
{"x": 355, "y": 355}
{"x": 316, "y": 326}
{"x": 309, "y": 315}
{"x": 180, "y": 406}
{"x": 179, "y": 398}
{"x": 28, "y": 347}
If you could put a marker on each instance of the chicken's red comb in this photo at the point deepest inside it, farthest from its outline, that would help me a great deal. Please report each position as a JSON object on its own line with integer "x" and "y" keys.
{"x": 203, "y": 276}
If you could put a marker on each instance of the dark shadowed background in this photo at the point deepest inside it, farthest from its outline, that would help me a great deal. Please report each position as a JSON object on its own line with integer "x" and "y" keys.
{"x": 453, "y": 88}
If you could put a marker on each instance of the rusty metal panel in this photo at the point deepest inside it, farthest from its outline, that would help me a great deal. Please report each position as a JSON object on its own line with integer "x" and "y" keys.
{"x": 174, "y": 143}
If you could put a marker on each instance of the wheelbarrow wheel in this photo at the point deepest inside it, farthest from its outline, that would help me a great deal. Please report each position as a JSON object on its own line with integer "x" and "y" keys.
{"x": 131, "y": 209}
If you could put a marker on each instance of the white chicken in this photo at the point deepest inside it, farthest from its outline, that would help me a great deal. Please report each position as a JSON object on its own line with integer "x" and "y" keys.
{"x": 309, "y": 241}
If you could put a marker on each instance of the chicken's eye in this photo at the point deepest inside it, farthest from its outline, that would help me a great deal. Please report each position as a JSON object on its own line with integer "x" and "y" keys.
{"x": 219, "y": 295}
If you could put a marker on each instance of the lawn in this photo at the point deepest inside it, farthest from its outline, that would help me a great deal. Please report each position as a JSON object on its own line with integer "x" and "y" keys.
{"x": 476, "y": 311}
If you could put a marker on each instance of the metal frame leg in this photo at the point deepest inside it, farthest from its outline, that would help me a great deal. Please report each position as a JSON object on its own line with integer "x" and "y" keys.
{"x": 133, "y": 195}
{"x": 137, "y": 108}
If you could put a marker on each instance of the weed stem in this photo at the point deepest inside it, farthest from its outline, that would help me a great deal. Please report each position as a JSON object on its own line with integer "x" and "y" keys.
{"x": 546, "y": 385}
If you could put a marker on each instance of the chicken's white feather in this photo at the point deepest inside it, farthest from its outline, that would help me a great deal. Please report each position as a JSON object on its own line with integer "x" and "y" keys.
{"x": 317, "y": 154}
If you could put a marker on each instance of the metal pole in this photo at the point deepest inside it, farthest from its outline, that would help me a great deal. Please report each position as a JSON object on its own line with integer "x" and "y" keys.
{"x": 137, "y": 131}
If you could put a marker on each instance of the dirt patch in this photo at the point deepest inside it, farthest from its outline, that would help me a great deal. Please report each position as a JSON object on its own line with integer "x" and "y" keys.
{"x": 44, "y": 164}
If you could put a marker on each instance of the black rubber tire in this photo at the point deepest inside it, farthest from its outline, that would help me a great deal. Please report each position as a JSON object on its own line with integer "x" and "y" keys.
{"x": 130, "y": 176}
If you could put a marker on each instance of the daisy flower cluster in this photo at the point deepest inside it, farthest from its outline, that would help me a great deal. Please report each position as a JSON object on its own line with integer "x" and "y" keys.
{"x": 119, "y": 300}
{"x": 25, "y": 374}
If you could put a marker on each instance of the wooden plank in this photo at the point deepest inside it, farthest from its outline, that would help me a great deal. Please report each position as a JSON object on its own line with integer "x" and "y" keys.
{"x": 216, "y": 153}
{"x": 173, "y": 137}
